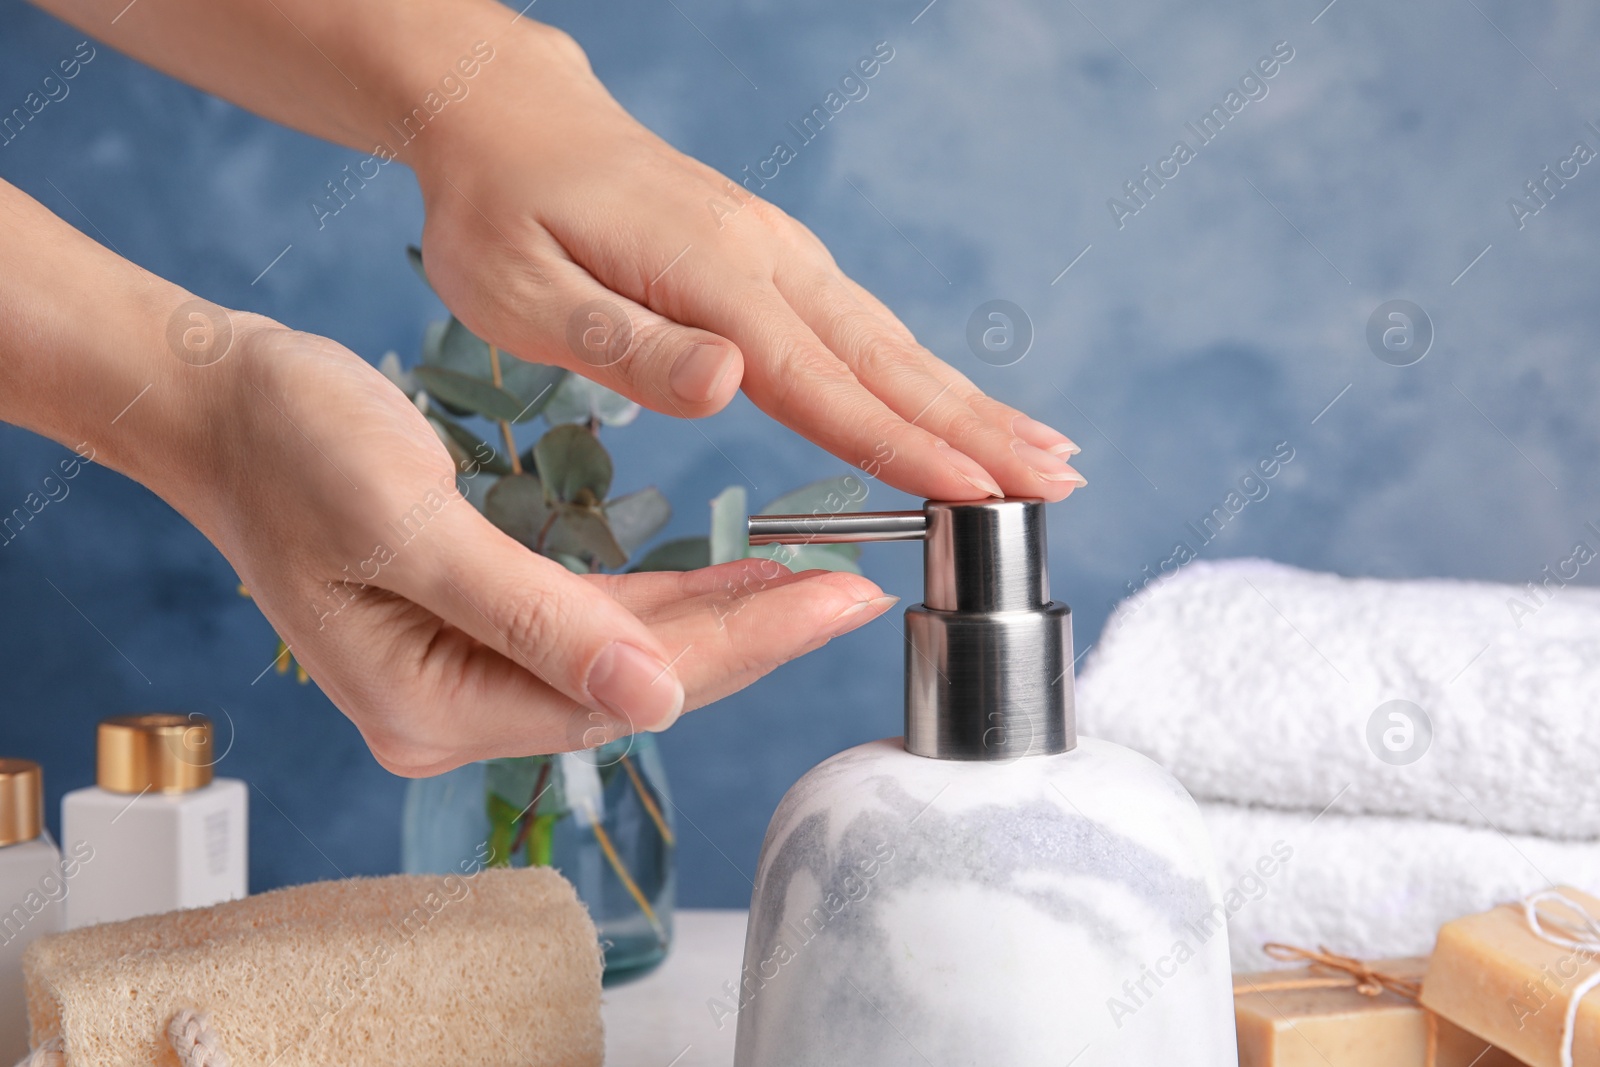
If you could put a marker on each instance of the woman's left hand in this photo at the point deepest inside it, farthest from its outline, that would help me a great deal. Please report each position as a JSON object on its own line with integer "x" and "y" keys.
{"x": 562, "y": 230}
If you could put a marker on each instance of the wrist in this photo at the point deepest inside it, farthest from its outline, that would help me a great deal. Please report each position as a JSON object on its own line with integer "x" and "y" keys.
{"x": 437, "y": 66}
{"x": 524, "y": 76}
{"x": 86, "y": 358}
{"x": 153, "y": 406}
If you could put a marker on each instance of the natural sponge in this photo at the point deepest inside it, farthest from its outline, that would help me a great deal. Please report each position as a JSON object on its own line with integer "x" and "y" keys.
{"x": 495, "y": 967}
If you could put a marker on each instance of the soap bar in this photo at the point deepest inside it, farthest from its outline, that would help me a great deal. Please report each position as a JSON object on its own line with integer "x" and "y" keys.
{"x": 1306, "y": 1017}
{"x": 1491, "y": 974}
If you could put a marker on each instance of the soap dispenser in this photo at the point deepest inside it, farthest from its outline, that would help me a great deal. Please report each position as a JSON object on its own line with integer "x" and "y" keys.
{"x": 991, "y": 889}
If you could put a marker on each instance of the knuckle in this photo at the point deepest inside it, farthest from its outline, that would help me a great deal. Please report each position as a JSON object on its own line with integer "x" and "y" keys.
{"x": 805, "y": 376}
{"x": 533, "y": 625}
{"x": 875, "y": 350}
{"x": 770, "y": 214}
{"x": 655, "y": 348}
{"x": 802, "y": 234}
{"x": 965, "y": 422}
{"x": 562, "y": 44}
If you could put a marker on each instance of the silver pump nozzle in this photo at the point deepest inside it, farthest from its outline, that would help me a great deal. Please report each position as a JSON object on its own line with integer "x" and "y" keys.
{"x": 988, "y": 654}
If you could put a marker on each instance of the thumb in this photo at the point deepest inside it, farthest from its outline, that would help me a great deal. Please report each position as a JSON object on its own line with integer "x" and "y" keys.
{"x": 549, "y": 621}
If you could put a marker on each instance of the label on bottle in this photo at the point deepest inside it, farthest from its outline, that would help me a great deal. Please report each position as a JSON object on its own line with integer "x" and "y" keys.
{"x": 216, "y": 833}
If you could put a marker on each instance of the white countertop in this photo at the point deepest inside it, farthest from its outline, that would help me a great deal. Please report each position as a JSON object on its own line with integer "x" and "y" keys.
{"x": 663, "y": 1019}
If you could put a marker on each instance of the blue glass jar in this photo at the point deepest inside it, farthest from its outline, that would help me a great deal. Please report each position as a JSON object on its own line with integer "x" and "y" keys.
{"x": 602, "y": 817}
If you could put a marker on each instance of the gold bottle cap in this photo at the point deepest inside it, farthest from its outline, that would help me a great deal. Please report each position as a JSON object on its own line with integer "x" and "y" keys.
{"x": 21, "y": 801}
{"x": 160, "y": 752}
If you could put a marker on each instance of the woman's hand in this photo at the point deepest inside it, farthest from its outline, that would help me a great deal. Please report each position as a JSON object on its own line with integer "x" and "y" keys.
{"x": 562, "y": 230}
{"x": 567, "y": 233}
{"x": 443, "y": 639}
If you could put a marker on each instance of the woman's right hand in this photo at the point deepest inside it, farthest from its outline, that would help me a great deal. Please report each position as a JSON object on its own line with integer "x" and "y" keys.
{"x": 442, "y": 638}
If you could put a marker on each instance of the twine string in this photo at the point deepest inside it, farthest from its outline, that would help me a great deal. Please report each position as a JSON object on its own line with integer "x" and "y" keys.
{"x": 1578, "y": 932}
{"x": 1343, "y": 971}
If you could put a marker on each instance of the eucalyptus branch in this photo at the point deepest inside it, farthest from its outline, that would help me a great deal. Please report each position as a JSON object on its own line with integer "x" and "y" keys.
{"x": 505, "y": 427}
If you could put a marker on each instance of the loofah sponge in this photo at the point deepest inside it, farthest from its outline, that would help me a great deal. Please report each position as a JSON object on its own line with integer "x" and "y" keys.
{"x": 496, "y": 967}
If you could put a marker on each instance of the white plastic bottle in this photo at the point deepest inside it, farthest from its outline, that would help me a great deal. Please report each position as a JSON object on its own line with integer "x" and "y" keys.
{"x": 164, "y": 832}
{"x": 32, "y": 885}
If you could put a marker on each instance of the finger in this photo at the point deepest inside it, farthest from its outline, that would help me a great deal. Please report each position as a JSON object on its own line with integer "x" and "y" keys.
{"x": 540, "y": 616}
{"x": 799, "y": 382}
{"x": 428, "y": 696}
{"x": 917, "y": 384}
{"x": 461, "y": 699}
{"x": 560, "y": 315}
{"x": 729, "y": 641}
{"x": 648, "y": 591}
{"x": 1029, "y": 429}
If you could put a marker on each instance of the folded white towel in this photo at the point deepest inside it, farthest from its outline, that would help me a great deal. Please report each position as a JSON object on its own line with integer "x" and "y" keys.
{"x": 1371, "y": 886}
{"x": 1261, "y": 683}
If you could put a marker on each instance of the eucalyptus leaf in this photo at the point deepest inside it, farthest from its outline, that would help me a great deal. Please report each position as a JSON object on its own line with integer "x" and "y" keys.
{"x": 476, "y": 489}
{"x": 390, "y": 368}
{"x": 572, "y": 463}
{"x": 465, "y": 353}
{"x": 459, "y": 457}
{"x": 517, "y": 507}
{"x": 808, "y": 557}
{"x": 583, "y": 532}
{"x": 478, "y": 452}
{"x": 577, "y": 399}
{"x": 414, "y": 257}
{"x": 457, "y": 390}
{"x": 637, "y": 517}
{"x": 831, "y": 496}
{"x": 683, "y": 554}
{"x": 730, "y": 532}
{"x": 432, "y": 338}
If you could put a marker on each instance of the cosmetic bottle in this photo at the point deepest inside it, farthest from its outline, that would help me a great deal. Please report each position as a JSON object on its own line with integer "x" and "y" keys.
{"x": 165, "y": 833}
{"x": 990, "y": 888}
{"x": 31, "y": 889}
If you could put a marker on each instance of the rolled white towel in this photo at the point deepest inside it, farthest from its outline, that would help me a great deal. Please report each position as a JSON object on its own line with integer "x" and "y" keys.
{"x": 1262, "y": 683}
{"x": 1371, "y": 886}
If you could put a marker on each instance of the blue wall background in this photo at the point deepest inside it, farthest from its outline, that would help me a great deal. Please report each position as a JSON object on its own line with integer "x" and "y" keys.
{"x": 1222, "y": 319}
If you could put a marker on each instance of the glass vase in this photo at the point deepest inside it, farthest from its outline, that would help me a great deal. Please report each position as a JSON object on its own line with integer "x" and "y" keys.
{"x": 602, "y": 817}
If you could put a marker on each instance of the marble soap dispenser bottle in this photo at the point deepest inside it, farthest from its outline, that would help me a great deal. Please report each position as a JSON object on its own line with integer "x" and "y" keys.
{"x": 990, "y": 889}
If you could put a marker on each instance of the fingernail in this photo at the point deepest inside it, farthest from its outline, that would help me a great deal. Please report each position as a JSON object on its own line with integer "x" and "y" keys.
{"x": 858, "y": 613}
{"x": 699, "y": 371}
{"x": 635, "y": 686}
{"x": 1048, "y": 438}
{"x": 969, "y": 470}
{"x": 1048, "y": 467}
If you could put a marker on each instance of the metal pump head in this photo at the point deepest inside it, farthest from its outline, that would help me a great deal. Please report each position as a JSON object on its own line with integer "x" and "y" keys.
{"x": 988, "y": 653}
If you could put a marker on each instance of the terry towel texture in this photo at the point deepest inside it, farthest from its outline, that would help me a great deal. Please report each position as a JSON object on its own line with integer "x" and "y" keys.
{"x": 1369, "y": 885}
{"x": 499, "y": 967}
{"x": 1255, "y": 682}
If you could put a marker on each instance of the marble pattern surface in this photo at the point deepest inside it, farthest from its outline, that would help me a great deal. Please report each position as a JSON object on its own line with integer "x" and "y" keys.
{"x": 926, "y": 913}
